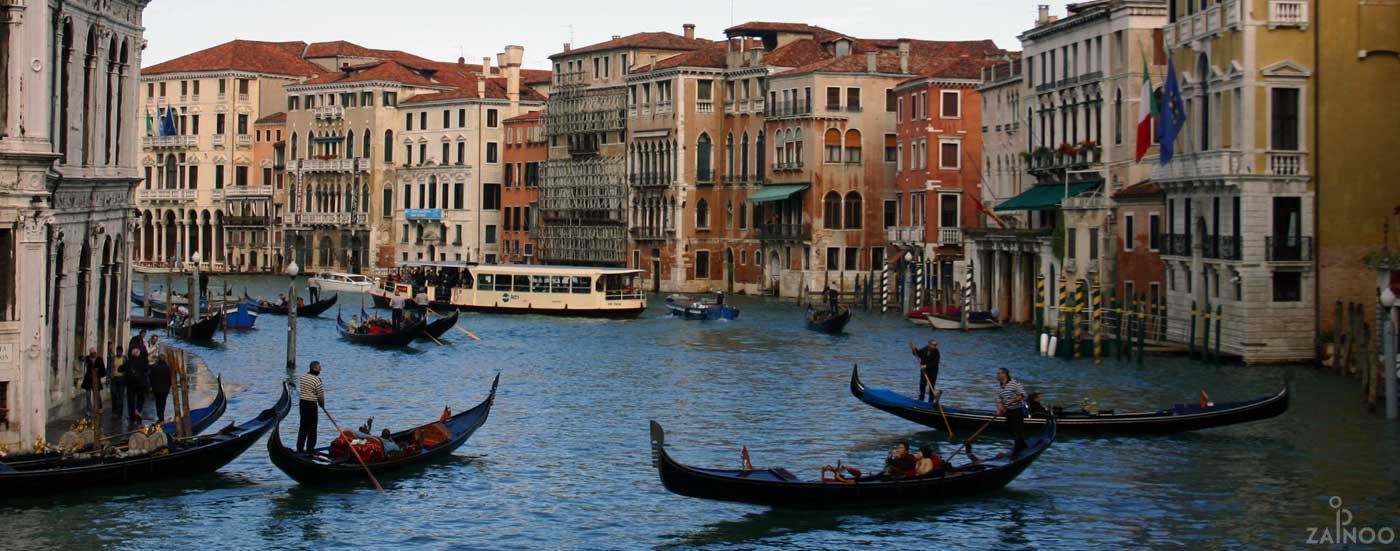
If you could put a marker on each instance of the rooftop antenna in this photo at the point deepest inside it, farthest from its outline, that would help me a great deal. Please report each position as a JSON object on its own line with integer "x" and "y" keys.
{"x": 731, "y": 13}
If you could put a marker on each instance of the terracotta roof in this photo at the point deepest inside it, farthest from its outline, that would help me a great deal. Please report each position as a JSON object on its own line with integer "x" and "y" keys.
{"x": 713, "y": 55}
{"x": 653, "y": 40}
{"x": 1141, "y": 189}
{"x": 797, "y": 53}
{"x": 272, "y": 58}
{"x": 536, "y": 76}
{"x": 275, "y": 118}
{"x": 495, "y": 89}
{"x": 526, "y": 117}
{"x": 388, "y": 70}
{"x": 341, "y": 48}
{"x": 926, "y": 58}
{"x": 819, "y": 33}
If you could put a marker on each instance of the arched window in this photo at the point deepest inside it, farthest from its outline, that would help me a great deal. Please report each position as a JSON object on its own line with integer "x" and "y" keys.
{"x": 122, "y": 61}
{"x": 778, "y": 144}
{"x": 365, "y": 145}
{"x": 349, "y": 144}
{"x": 702, "y": 214}
{"x": 111, "y": 102}
{"x": 64, "y": 83}
{"x": 744, "y": 158}
{"x": 702, "y": 159}
{"x": 853, "y": 146}
{"x": 389, "y": 146}
{"x": 89, "y": 70}
{"x": 295, "y": 155}
{"x": 1118, "y": 116}
{"x": 762, "y": 154}
{"x": 832, "y": 142}
{"x": 853, "y": 211}
{"x": 831, "y": 211}
{"x": 797, "y": 149}
{"x": 172, "y": 170}
{"x": 729, "y": 155}
{"x": 432, "y": 192}
{"x": 789, "y": 145}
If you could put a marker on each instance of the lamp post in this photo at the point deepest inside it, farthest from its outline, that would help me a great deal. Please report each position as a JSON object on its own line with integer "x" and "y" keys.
{"x": 1388, "y": 336}
{"x": 908, "y": 301}
{"x": 292, "y": 270}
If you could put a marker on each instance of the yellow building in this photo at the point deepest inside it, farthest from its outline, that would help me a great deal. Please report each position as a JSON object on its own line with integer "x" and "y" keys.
{"x": 1283, "y": 130}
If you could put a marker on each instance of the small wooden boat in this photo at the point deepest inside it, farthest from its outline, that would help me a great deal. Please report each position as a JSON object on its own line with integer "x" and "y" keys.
{"x": 316, "y": 467}
{"x": 682, "y": 306}
{"x": 1178, "y": 418}
{"x": 198, "y": 330}
{"x": 200, "y": 420}
{"x": 147, "y": 322}
{"x": 182, "y": 458}
{"x": 401, "y": 337}
{"x": 827, "y": 322}
{"x": 949, "y": 318}
{"x": 777, "y": 487}
{"x": 438, "y": 327}
{"x": 240, "y": 316}
{"x": 305, "y": 310}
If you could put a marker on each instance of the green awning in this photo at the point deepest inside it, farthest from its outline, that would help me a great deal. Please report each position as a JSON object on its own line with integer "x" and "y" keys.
{"x": 1045, "y": 196}
{"x": 777, "y": 192}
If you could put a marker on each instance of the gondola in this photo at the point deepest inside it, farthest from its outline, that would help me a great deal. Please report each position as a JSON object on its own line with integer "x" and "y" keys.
{"x": 200, "y": 420}
{"x": 196, "y": 456}
{"x": 201, "y": 330}
{"x": 824, "y": 321}
{"x": 305, "y": 310}
{"x": 402, "y": 337}
{"x": 1178, "y": 418}
{"x": 315, "y": 468}
{"x": 147, "y": 322}
{"x": 776, "y": 487}
{"x": 437, "y": 327}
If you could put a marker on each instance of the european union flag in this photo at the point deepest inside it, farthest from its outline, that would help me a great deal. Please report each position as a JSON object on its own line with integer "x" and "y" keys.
{"x": 1172, "y": 114}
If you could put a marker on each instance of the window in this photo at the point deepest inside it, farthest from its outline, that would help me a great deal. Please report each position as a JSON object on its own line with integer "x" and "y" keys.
{"x": 366, "y": 99}
{"x": 492, "y": 118}
{"x": 240, "y": 175}
{"x": 1283, "y": 119}
{"x": 408, "y": 121}
{"x": 854, "y": 209}
{"x": 293, "y": 103}
{"x": 391, "y": 99}
{"x": 831, "y": 211}
{"x": 242, "y": 124}
{"x": 388, "y": 146}
{"x": 1128, "y": 236}
{"x": 492, "y": 154}
{"x": 446, "y": 150}
{"x": 877, "y": 257}
{"x": 7, "y": 285}
{"x": 491, "y": 196}
{"x": 833, "y": 258}
{"x": 852, "y": 258}
{"x": 899, "y": 109}
{"x": 832, "y": 142}
{"x": 462, "y": 118}
{"x": 458, "y": 195}
{"x": 1154, "y": 232}
{"x": 702, "y": 214}
{"x": 243, "y": 86}
{"x": 1118, "y": 117}
{"x": 890, "y": 101}
{"x": 422, "y": 153}
{"x": 1093, "y": 243}
{"x": 949, "y": 154}
{"x": 702, "y": 264}
{"x": 219, "y": 126}
{"x": 490, "y": 234}
{"x": 853, "y": 146}
{"x": 218, "y": 176}
{"x": 194, "y": 124}
{"x": 704, "y": 90}
{"x": 947, "y": 211}
{"x": 951, "y": 104}
{"x": 461, "y": 153}
{"x": 891, "y": 214}
{"x": 446, "y": 118}
{"x": 1128, "y": 291}
{"x": 423, "y": 120}
{"x": 853, "y": 99}
{"x": 891, "y": 149}
{"x": 1071, "y": 244}
{"x": 833, "y": 98}
{"x": 702, "y": 159}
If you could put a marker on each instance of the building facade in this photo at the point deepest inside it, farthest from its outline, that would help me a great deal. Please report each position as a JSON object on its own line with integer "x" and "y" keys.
{"x": 66, "y": 225}
{"x": 526, "y": 150}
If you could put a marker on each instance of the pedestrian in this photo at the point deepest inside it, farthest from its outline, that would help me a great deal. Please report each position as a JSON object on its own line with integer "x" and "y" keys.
{"x": 928, "y": 369}
{"x": 117, "y": 369}
{"x": 313, "y": 395}
{"x": 159, "y": 374}
{"x": 396, "y": 303}
{"x": 139, "y": 341}
{"x": 155, "y": 351}
{"x": 136, "y": 371}
{"x": 93, "y": 373}
{"x": 1011, "y": 402}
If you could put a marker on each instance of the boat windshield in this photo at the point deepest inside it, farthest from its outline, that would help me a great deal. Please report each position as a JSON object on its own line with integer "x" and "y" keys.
{"x": 619, "y": 286}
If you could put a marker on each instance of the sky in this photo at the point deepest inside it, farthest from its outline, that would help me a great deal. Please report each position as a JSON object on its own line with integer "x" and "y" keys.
{"x": 446, "y": 29}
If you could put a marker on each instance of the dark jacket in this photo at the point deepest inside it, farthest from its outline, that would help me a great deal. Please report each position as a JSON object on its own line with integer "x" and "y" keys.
{"x": 160, "y": 377}
{"x": 137, "y": 370}
{"x": 928, "y": 359}
{"x": 93, "y": 373}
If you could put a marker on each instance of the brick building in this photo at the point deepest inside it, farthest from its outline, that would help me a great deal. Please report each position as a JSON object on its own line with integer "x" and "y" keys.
{"x": 525, "y": 151}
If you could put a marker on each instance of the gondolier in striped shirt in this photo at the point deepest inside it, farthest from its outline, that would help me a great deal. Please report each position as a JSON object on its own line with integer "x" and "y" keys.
{"x": 313, "y": 396}
{"x": 1011, "y": 402}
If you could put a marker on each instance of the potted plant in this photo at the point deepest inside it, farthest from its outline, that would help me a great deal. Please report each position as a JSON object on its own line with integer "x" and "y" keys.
{"x": 1043, "y": 155}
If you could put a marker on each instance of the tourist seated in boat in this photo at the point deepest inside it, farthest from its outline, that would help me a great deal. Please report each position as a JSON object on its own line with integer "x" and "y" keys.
{"x": 900, "y": 463}
{"x": 929, "y": 462}
{"x": 354, "y": 324}
{"x": 349, "y": 445}
{"x": 1034, "y": 405}
{"x": 282, "y": 300}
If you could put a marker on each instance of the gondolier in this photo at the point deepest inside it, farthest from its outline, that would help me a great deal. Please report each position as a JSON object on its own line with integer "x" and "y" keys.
{"x": 1011, "y": 401}
{"x": 313, "y": 396}
{"x": 832, "y": 298}
{"x": 928, "y": 356}
{"x": 396, "y": 304}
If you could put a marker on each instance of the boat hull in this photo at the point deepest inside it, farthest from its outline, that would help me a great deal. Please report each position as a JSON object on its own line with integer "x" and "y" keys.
{"x": 832, "y": 325}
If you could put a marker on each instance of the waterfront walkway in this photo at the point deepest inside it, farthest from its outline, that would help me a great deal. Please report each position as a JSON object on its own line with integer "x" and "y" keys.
{"x": 203, "y": 388}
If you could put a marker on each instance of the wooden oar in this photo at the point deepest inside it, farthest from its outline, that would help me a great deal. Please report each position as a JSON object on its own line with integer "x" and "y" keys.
{"x": 946, "y": 425}
{"x": 430, "y": 335}
{"x": 353, "y": 451}
{"x": 968, "y": 443}
{"x": 468, "y": 333}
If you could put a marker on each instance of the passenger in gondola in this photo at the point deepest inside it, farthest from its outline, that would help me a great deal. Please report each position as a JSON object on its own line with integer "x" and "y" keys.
{"x": 1034, "y": 406}
{"x": 900, "y": 463}
{"x": 1011, "y": 402}
{"x": 719, "y": 298}
{"x": 929, "y": 462}
{"x": 354, "y": 324}
{"x": 282, "y": 300}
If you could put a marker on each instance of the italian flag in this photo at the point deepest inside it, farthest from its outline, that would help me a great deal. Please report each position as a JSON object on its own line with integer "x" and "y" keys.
{"x": 1147, "y": 110}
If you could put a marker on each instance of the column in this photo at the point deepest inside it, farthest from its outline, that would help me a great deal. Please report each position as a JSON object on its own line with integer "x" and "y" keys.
{"x": 1019, "y": 296}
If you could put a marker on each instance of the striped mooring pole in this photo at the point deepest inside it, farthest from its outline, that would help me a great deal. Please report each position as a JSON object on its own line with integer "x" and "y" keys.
{"x": 1039, "y": 302}
{"x": 1059, "y": 317}
{"x": 919, "y": 284}
{"x": 884, "y": 288}
{"x": 967, "y": 295}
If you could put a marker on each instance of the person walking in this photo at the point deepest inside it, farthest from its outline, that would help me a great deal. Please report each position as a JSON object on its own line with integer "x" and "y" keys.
{"x": 929, "y": 357}
{"x": 313, "y": 396}
{"x": 136, "y": 372}
{"x": 1011, "y": 402}
{"x": 117, "y": 370}
{"x": 159, "y": 374}
{"x": 93, "y": 373}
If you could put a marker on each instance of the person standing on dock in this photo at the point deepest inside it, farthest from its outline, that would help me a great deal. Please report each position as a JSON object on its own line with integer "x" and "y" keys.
{"x": 93, "y": 373}
{"x": 928, "y": 356}
{"x": 313, "y": 396}
{"x": 1011, "y": 402}
{"x": 117, "y": 369}
{"x": 396, "y": 304}
{"x": 160, "y": 386}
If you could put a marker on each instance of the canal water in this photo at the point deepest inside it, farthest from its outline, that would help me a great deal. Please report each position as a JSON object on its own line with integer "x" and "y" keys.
{"x": 564, "y": 460}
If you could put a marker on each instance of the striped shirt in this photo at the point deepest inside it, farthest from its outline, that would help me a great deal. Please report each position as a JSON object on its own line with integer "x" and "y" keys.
{"x": 1010, "y": 393}
{"x": 311, "y": 389}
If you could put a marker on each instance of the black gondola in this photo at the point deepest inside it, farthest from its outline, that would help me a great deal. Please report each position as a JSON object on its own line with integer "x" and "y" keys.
{"x": 201, "y": 330}
{"x": 314, "y": 468}
{"x": 196, "y": 456}
{"x": 306, "y": 310}
{"x": 777, "y": 487}
{"x": 147, "y": 322}
{"x": 1178, "y": 418}
{"x": 200, "y": 420}
{"x": 437, "y": 327}
{"x": 827, "y": 322}
{"x": 401, "y": 337}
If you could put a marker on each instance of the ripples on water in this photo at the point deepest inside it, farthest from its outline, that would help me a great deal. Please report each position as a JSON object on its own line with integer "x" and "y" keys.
{"x": 564, "y": 460}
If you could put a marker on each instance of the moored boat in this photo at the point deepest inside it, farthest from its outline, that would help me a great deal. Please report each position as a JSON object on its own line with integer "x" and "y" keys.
{"x": 575, "y": 291}
{"x": 305, "y": 310}
{"x": 416, "y": 446}
{"x": 947, "y": 317}
{"x": 240, "y": 316}
{"x": 179, "y": 459}
{"x": 341, "y": 282}
{"x": 1178, "y": 418}
{"x": 776, "y": 487}
{"x": 396, "y": 337}
{"x": 146, "y": 322}
{"x": 682, "y": 306}
{"x": 825, "y": 321}
{"x": 197, "y": 330}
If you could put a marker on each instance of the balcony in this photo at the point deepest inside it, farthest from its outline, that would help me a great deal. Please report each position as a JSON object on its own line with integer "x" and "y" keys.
{"x": 729, "y": 106}
{"x": 1176, "y": 244}
{"x": 1209, "y": 165}
{"x": 1207, "y": 22}
{"x": 171, "y": 141}
{"x": 734, "y": 180}
{"x": 1288, "y": 248}
{"x": 165, "y": 195}
{"x": 907, "y": 235}
{"x": 1289, "y": 163}
{"x": 704, "y": 106}
{"x": 243, "y": 98}
{"x": 950, "y": 236}
{"x": 1221, "y": 247}
{"x": 650, "y": 179}
{"x": 756, "y": 105}
{"x": 1288, "y": 13}
{"x": 663, "y": 106}
{"x": 327, "y": 165}
{"x": 321, "y": 218}
{"x": 785, "y": 232}
{"x": 219, "y": 140}
{"x": 792, "y": 165}
{"x": 247, "y": 221}
{"x": 650, "y": 233}
{"x": 788, "y": 109}
{"x": 247, "y": 192}
{"x": 575, "y": 78}
{"x": 243, "y": 140}
{"x": 328, "y": 112}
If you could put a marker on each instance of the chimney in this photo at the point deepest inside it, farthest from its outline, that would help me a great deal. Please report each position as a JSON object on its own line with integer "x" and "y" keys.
{"x": 485, "y": 72}
{"x": 904, "y": 56}
{"x": 689, "y": 30}
{"x": 1043, "y": 16}
{"x": 461, "y": 61}
{"x": 566, "y": 47}
{"x": 345, "y": 68}
{"x": 870, "y": 64}
{"x": 513, "y": 57}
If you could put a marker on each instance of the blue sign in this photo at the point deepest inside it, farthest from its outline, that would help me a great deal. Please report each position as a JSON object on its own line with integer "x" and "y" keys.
{"x": 422, "y": 214}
